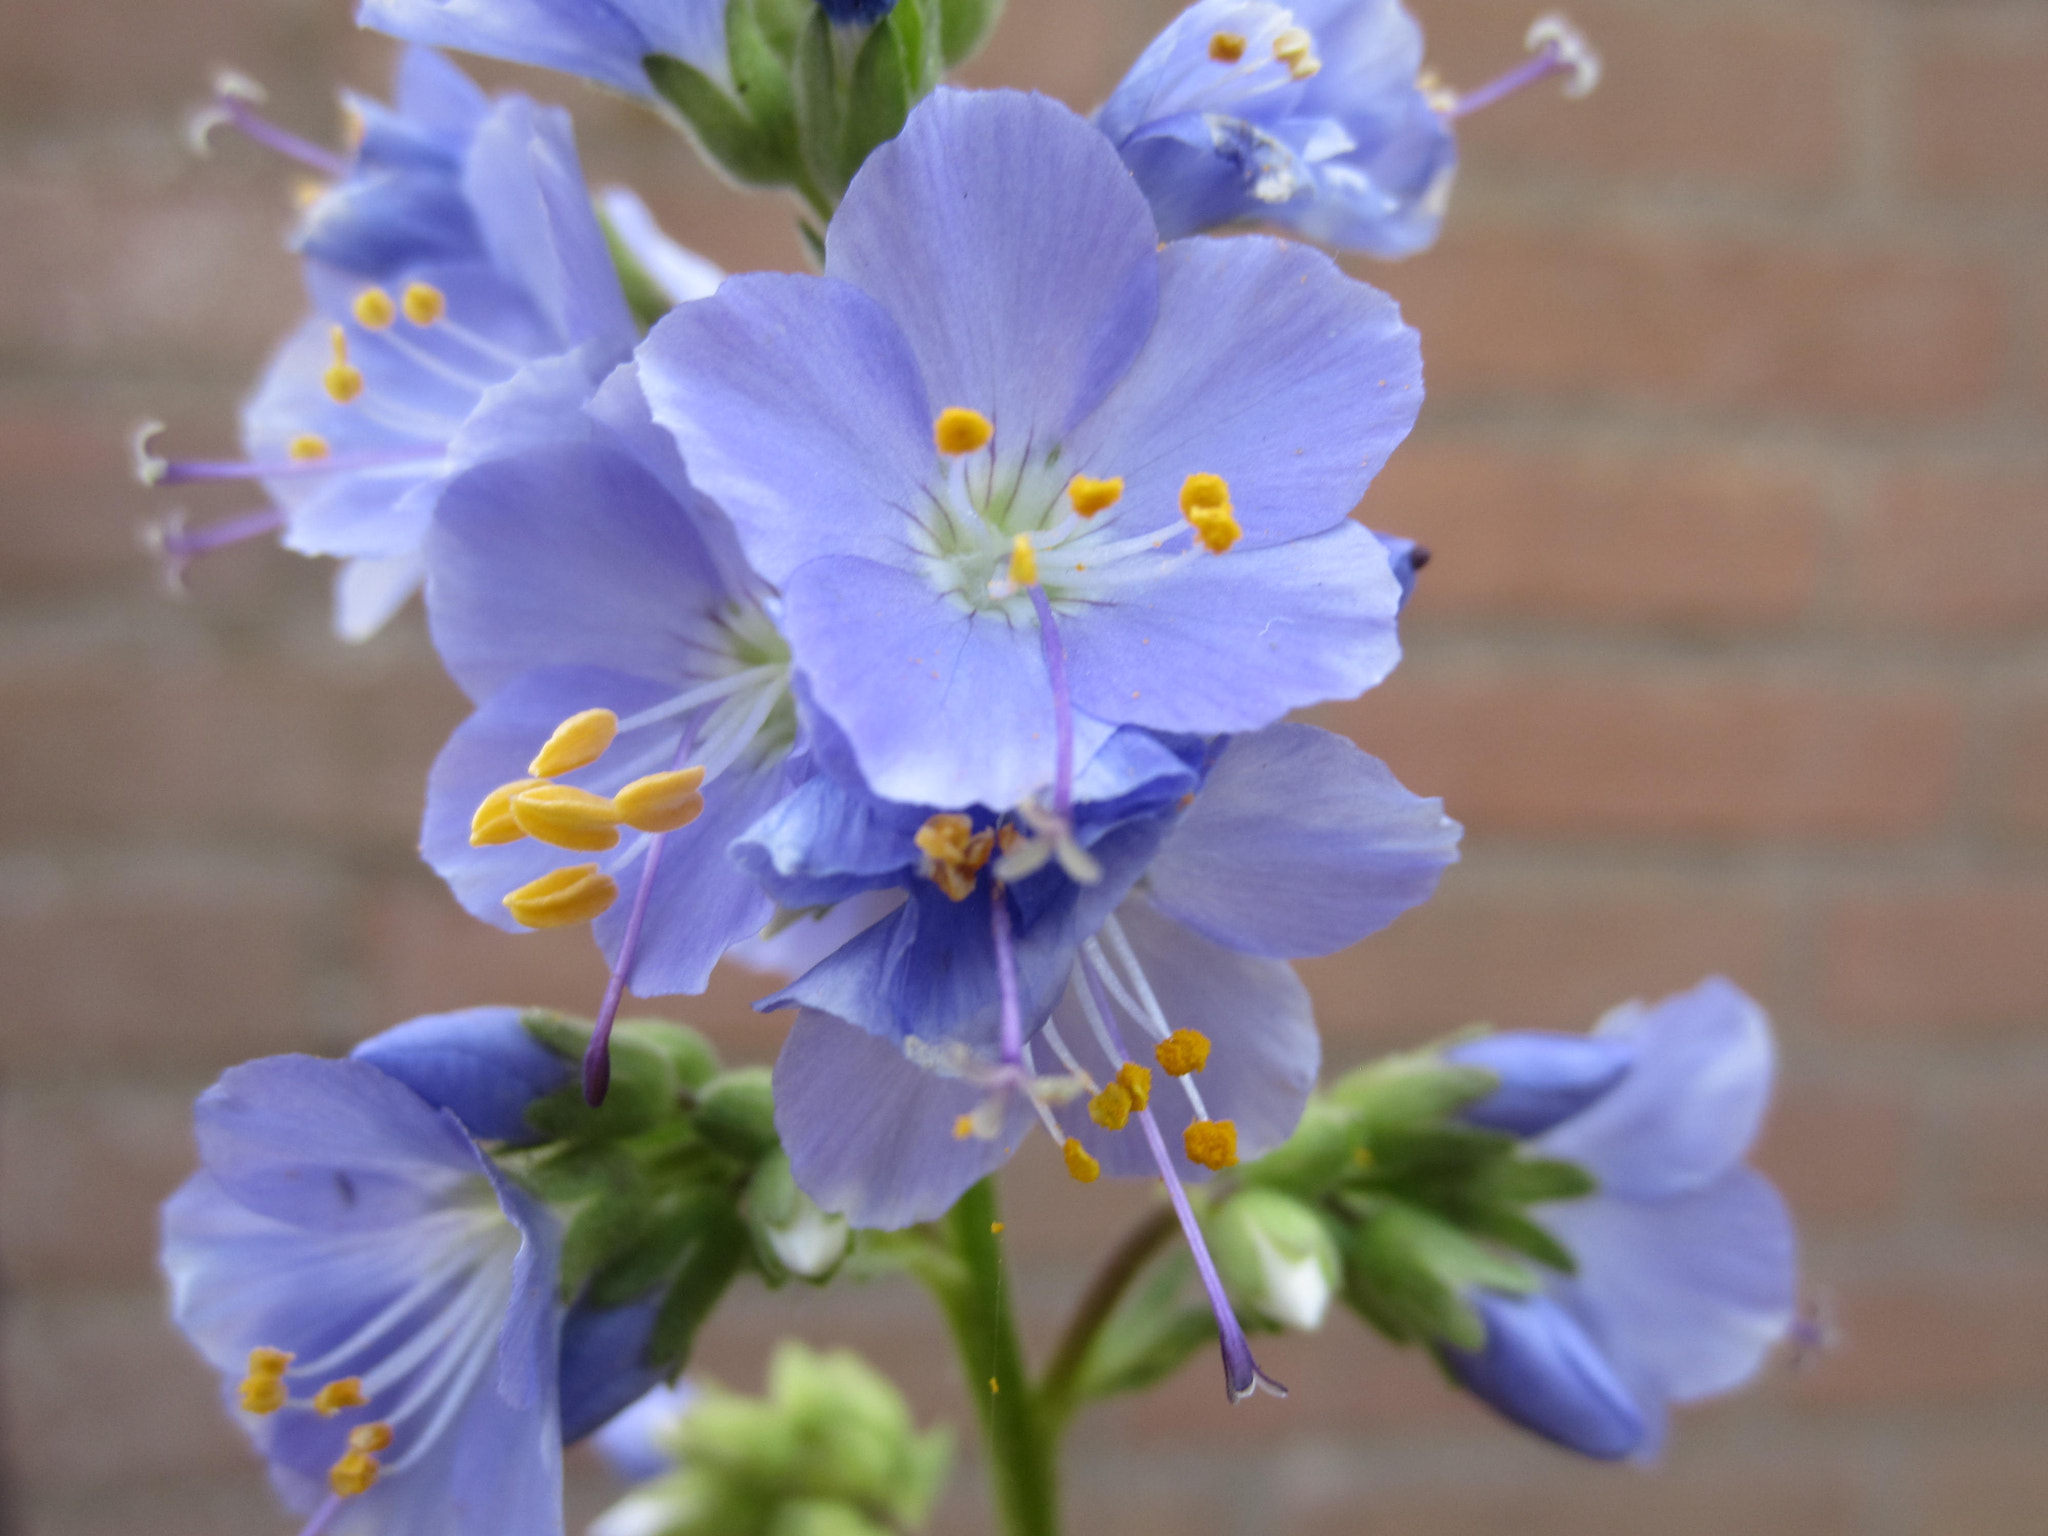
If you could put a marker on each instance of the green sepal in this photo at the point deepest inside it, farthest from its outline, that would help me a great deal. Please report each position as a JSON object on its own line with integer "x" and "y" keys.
{"x": 1326, "y": 1147}
{"x": 1533, "y": 1180}
{"x": 1511, "y": 1229}
{"x": 847, "y": 106}
{"x": 610, "y": 1222}
{"x": 822, "y": 1517}
{"x": 717, "y": 1247}
{"x": 964, "y": 25}
{"x": 1416, "y": 1088}
{"x": 643, "y": 1092}
{"x": 750, "y": 131}
{"x": 1443, "y": 1165}
{"x": 1150, "y": 1336}
{"x": 690, "y": 1056}
{"x": 658, "y": 1247}
{"x": 1408, "y": 1272}
{"x": 736, "y": 1113}
{"x": 643, "y": 295}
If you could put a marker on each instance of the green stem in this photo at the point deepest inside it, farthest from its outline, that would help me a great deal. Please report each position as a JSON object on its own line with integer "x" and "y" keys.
{"x": 1056, "y": 1392}
{"x": 976, "y": 1302}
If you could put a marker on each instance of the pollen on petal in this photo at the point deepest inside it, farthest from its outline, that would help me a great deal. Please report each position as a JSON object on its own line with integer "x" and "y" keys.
{"x": 960, "y": 430}
{"x": 563, "y": 897}
{"x": 963, "y": 1128}
{"x": 353, "y": 1475}
{"x": 306, "y": 447}
{"x": 337, "y": 1395}
{"x": 661, "y": 802}
{"x": 374, "y": 310}
{"x": 1091, "y": 496}
{"x": 563, "y": 816}
{"x": 1205, "y": 503}
{"x": 1023, "y": 562}
{"x": 1137, "y": 1082}
{"x": 1226, "y": 47}
{"x": 954, "y": 852}
{"x": 1182, "y": 1052}
{"x": 493, "y": 822}
{"x": 1212, "y": 1144}
{"x": 1083, "y": 1168}
{"x": 576, "y": 743}
{"x": 423, "y": 303}
{"x": 1111, "y": 1108}
{"x": 343, "y": 381}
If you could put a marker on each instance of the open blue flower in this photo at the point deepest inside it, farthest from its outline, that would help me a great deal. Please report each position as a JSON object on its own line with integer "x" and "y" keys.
{"x": 633, "y": 710}
{"x": 378, "y": 1299}
{"x": 1006, "y": 423}
{"x": 1686, "y": 1261}
{"x": 603, "y": 40}
{"x": 428, "y": 350}
{"x": 923, "y": 1053}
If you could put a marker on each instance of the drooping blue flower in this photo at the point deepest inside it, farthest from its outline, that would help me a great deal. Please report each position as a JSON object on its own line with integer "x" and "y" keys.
{"x": 429, "y": 350}
{"x": 1315, "y": 115}
{"x": 1035, "y": 430}
{"x": 633, "y": 706}
{"x": 633, "y": 1443}
{"x": 1686, "y": 1257}
{"x": 924, "y": 1050}
{"x": 603, "y": 40}
{"x": 378, "y": 1299}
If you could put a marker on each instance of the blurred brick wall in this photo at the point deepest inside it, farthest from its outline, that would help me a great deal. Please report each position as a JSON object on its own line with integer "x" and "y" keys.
{"x": 1732, "y": 658}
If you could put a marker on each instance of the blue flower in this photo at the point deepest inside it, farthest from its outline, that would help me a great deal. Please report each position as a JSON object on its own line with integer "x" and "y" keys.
{"x": 1007, "y": 437}
{"x": 633, "y": 706}
{"x": 1312, "y": 116}
{"x": 633, "y": 1443}
{"x": 1686, "y": 1262}
{"x": 378, "y": 1299}
{"x": 926, "y": 1048}
{"x": 452, "y": 355}
{"x": 857, "y": 12}
{"x": 602, "y": 40}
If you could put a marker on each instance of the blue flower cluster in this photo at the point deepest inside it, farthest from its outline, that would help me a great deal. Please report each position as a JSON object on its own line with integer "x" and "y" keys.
{"x": 924, "y": 629}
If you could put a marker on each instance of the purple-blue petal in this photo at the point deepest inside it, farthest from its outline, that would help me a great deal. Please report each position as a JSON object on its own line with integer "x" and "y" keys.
{"x": 482, "y": 1064}
{"x": 1545, "y": 1079}
{"x": 1539, "y": 1368}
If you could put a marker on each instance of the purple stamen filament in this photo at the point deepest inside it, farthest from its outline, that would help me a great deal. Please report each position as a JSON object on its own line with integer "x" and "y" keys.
{"x": 1241, "y": 1373}
{"x": 1062, "y": 703}
{"x": 290, "y": 145}
{"x": 182, "y": 546}
{"x": 1547, "y": 61}
{"x": 182, "y": 471}
{"x": 323, "y": 1516}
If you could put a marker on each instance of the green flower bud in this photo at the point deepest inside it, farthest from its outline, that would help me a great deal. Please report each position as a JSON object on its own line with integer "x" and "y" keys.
{"x": 787, "y": 1222}
{"x": 1277, "y": 1257}
{"x": 736, "y": 1113}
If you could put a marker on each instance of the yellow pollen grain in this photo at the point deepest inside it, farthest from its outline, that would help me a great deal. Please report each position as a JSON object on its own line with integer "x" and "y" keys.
{"x": 563, "y": 816}
{"x": 563, "y": 897}
{"x": 1080, "y": 1166}
{"x": 354, "y": 1474}
{"x": 374, "y": 310}
{"x": 306, "y": 447}
{"x": 954, "y": 852}
{"x": 1023, "y": 562}
{"x": 1137, "y": 1082}
{"x": 370, "y": 1438}
{"x": 423, "y": 303}
{"x": 337, "y": 1395}
{"x": 1216, "y": 527}
{"x": 493, "y": 823}
{"x": 576, "y": 743}
{"x": 307, "y": 192}
{"x": 661, "y": 802}
{"x": 1091, "y": 496}
{"x": 343, "y": 381}
{"x": 1111, "y": 1108}
{"x": 1226, "y": 47}
{"x": 963, "y": 1128}
{"x": 996, "y": 1228}
{"x": 1212, "y": 1144}
{"x": 960, "y": 430}
{"x": 994, "y": 1386}
{"x": 1182, "y": 1052}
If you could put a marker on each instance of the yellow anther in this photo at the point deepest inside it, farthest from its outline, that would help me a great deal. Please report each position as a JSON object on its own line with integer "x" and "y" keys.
{"x": 370, "y": 1438}
{"x": 563, "y": 897}
{"x": 1212, "y": 1143}
{"x": 1137, "y": 1082}
{"x": 661, "y": 802}
{"x": 963, "y": 1128}
{"x": 1205, "y": 503}
{"x": 1083, "y": 1168}
{"x": 263, "y": 1389}
{"x": 563, "y": 816}
{"x": 1111, "y": 1108}
{"x": 374, "y": 309}
{"x": 307, "y": 192}
{"x": 576, "y": 743}
{"x": 1092, "y": 496}
{"x": 1226, "y": 47}
{"x": 306, "y": 447}
{"x": 352, "y": 1475}
{"x": 1182, "y": 1052}
{"x": 343, "y": 379}
{"x": 954, "y": 852}
{"x": 337, "y": 1395}
{"x": 423, "y": 303}
{"x": 270, "y": 1362}
{"x": 959, "y": 430}
{"x": 1297, "y": 50}
{"x": 353, "y": 128}
{"x": 493, "y": 824}
{"x": 1023, "y": 562}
